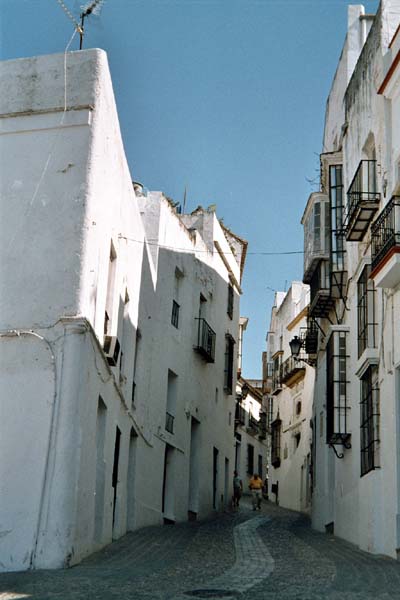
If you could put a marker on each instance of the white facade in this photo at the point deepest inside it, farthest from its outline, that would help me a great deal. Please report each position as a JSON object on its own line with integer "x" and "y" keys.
{"x": 289, "y": 387}
{"x": 250, "y": 434}
{"x": 251, "y": 443}
{"x": 357, "y": 394}
{"x": 85, "y": 451}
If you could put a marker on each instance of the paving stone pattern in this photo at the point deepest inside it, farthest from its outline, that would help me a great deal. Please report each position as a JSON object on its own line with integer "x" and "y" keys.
{"x": 268, "y": 556}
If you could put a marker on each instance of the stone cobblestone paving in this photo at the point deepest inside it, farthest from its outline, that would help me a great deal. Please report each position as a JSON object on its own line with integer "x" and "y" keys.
{"x": 272, "y": 555}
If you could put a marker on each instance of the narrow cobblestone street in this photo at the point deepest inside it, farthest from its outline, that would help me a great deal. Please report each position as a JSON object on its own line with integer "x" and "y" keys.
{"x": 272, "y": 554}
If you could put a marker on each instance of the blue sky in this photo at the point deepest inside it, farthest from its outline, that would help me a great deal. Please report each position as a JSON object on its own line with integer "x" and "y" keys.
{"x": 223, "y": 97}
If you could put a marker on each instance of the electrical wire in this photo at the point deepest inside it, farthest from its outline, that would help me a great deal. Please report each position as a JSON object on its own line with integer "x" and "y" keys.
{"x": 165, "y": 247}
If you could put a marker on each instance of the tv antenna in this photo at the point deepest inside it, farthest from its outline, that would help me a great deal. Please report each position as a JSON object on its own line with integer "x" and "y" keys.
{"x": 90, "y": 8}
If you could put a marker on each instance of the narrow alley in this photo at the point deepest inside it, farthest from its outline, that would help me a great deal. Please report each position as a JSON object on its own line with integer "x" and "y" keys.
{"x": 269, "y": 555}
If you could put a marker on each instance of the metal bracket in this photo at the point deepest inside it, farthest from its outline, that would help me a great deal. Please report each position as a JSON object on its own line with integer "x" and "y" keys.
{"x": 341, "y": 455}
{"x": 346, "y": 445}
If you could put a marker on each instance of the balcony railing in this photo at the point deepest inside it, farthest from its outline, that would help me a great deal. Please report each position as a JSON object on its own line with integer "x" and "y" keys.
{"x": 291, "y": 370}
{"x": 321, "y": 300}
{"x": 310, "y": 334}
{"x": 169, "y": 422}
{"x": 363, "y": 201}
{"x": 205, "y": 341}
{"x": 386, "y": 232}
{"x": 277, "y": 380}
{"x": 253, "y": 426}
{"x": 240, "y": 414}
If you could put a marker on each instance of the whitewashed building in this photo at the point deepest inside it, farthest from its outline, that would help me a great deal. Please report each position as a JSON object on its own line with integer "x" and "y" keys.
{"x": 118, "y": 326}
{"x": 251, "y": 444}
{"x": 351, "y": 264}
{"x": 289, "y": 384}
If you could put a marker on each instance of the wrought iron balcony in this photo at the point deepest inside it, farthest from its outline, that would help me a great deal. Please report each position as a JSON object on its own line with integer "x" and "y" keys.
{"x": 253, "y": 426}
{"x": 277, "y": 378}
{"x": 363, "y": 201}
{"x": 310, "y": 335}
{"x": 268, "y": 369}
{"x": 169, "y": 422}
{"x": 292, "y": 370}
{"x": 386, "y": 245}
{"x": 240, "y": 414}
{"x": 321, "y": 300}
{"x": 205, "y": 341}
{"x": 262, "y": 426}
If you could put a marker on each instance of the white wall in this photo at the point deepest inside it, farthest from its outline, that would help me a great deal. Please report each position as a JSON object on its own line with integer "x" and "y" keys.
{"x": 293, "y": 474}
{"x": 67, "y": 196}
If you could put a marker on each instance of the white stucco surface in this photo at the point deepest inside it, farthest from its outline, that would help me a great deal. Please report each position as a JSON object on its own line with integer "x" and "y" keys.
{"x": 85, "y": 258}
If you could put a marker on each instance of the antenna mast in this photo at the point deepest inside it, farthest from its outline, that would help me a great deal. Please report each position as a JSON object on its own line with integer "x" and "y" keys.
{"x": 88, "y": 9}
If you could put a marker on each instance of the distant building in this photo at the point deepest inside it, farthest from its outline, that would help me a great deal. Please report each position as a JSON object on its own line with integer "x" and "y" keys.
{"x": 251, "y": 445}
{"x": 352, "y": 245}
{"x": 118, "y": 329}
{"x": 288, "y": 386}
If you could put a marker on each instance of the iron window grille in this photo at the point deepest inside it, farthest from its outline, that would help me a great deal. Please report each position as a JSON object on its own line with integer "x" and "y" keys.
{"x": 270, "y": 411}
{"x": 250, "y": 459}
{"x": 205, "y": 340}
{"x": 369, "y": 420}
{"x": 386, "y": 231}
{"x": 367, "y": 326}
{"x": 175, "y": 314}
{"x": 338, "y": 248}
{"x": 229, "y": 309}
{"x": 229, "y": 356}
{"x": 336, "y": 389}
{"x": 169, "y": 422}
{"x": 276, "y": 428}
{"x": 262, "y": 424}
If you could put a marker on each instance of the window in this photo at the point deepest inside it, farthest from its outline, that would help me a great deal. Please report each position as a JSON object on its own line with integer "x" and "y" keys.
{"x": 250, "y": 459}
{"x": 298, "y": 408}
{"x": 276, "y": 427}
{"x": 270, "y": 413}
{"x": 260, "y": 466}
{"x": 171, "y": 401}
{"x": 366, "y": 311}
{"x": 229, "y": 309}
{"x": 369, "y": 421}
{"x": 336, "y": 197}
{"x": 175, "y": 314}
{"x": 229, "y": 354}
{"x": 112, "y": 271}
{"x": 175, "y": 301}
{"x": 135, "y": 358}
{"x": 336, "y": 388}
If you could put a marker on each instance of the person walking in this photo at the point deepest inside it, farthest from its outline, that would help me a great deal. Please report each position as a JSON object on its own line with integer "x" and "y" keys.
{"x": 256, "y": 485}
{"x": 237, "y": 489}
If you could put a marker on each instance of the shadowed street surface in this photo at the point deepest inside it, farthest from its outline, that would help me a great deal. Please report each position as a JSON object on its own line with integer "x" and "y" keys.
{"x": 272, "y": 554}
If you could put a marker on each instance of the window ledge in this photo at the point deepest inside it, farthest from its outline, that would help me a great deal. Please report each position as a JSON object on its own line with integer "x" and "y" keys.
{"x": 369, "y": 357}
